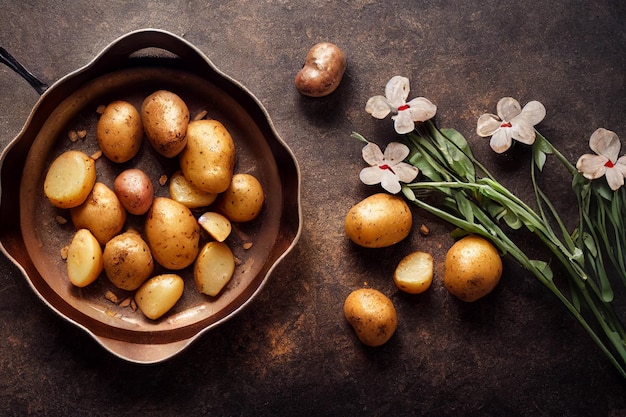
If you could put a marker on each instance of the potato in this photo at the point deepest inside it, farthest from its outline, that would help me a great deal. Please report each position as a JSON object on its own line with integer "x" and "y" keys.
{"x": 135, "y": 191}
{"x": 102, "y": 213}
{"x": 473, "y": 268}
{"x": 243, "y": 200}
{"x": 322, "y": 71}
{"x": 120, "y": 131}
{"x": 214, "y": 267}
{"x": 173, "y": 233}
{"x": 208, "y": 159}
{"x": 414, "y": 273}
{"x": 159, "y": 294}
{"x": 84, "y": 259}
{"x": 216, "y": 225}
{"x": 378, "y": 221}
{"x": 69, "y": 179}
{"x": 165, "y": 117}
{"x": 372, "y": 316}
{"x": 183, "y": 192}
{"x": 127, "y": 260}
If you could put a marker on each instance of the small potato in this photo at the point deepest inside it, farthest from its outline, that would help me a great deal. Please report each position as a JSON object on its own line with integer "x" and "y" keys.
{"x": 243, "y": 200}
{"x": 414, "y": 273}
{"x": 372, "y": 316}
{"x": 322, "y": 71}
{"x": 214, "y": 267}
{"x": 165, "y": 117}
{"x": 183, "y": 192}
{"x": 208, "y": 159}
{"x": 173, "y": 233}
{"x": 102, "y": 213}
{"x": 127, "y": 261}
{"x": 70, "y": 178}
{"x": 84, "y": 259}
{"x": 120, "y": 131}
{"x": 216, "y": 225}
{"x": 473, "y": 268}
{"x": 159, "y": 294}
{"x": 378, "y": 221}
{"x": 134, "y": 190}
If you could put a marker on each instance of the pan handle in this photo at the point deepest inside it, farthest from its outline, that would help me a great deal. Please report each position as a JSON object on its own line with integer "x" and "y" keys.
{"x": 8, "y": 59}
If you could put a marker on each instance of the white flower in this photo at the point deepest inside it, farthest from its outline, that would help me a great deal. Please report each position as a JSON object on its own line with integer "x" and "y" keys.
{"x": 406, "y": 114}
{"x": 606, "y": 145}
{"x": 387, "y": 169}
{"x": 512, "y": 122}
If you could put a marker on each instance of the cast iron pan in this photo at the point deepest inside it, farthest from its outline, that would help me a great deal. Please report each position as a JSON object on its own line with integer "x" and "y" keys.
{"x": 31, "y": 235}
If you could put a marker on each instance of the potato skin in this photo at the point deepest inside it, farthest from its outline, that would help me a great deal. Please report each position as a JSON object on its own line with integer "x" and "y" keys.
{"x": 70, "y": 179}
{"x": 378, "y": 221}
{"x": 102, "y": 213}
{"x": 127, "y": 261}
{"x": 372, "y": 315}
{"x": 243, "y": 200}
{"x": 473, "y": 268}
{"x": 120, "y": 131}
{"x": 173, "y": 233}
{"x": 165, "y": 117}
{"x": 322, "y": 71}
{"x": 134, "y": 190}
{"x": 208, "y": 160}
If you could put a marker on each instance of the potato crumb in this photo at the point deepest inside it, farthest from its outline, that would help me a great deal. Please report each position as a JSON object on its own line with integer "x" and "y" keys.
{"x": 162, "y": 179}
{"x": 82, "y": 134}
{"x": 424, "y": 230}
{"x": 247, "y": 245}
{"x": 100, "y": 109}
{"x": 64, "y": 252}
{"x": 96, "y": 155}
{"x": 133, "y": 305}
{"x": 110, "y": 313}
{"x": 125, "y": 302}
{"x": 73, "y": 135}
{"x": 111, "y": 297}
{"x": 61, "y": 220}
{"x": 200, "y": 115}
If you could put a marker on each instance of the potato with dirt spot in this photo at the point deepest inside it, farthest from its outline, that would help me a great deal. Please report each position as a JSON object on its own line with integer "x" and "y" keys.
{"x": 70, "y": 179}
{"x": 208, "y": 160}
{"x": 243, "y": 200}
{"x": 127, "y": 260}
{"x": 120, "y": 131}
{"x": 165, "y": 117}
{"x": 173, "y": 233}
{"x": 372, "y": 315}
{"x": 322, "y": 71}
{"x": 102, "y": 213}
{"x": 378, "y": 221}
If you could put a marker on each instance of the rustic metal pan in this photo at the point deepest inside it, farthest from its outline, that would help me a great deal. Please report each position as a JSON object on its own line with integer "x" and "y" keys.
{"x": 31, "y": 236}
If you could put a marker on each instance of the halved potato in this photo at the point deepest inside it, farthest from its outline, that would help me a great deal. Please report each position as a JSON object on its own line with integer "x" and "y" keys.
{"x": 70, "y": 178}
{"x": 159, "y": 294}
{"x": 216, "y": 225}
{"x": 214, "y": 267}
{"x": 84, "y": 259}
{"x": 414, "y": 273}
{"x": 185, "y": 193}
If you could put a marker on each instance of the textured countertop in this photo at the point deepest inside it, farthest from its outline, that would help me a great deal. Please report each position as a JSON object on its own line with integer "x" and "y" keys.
{"x": 290, "y": 352}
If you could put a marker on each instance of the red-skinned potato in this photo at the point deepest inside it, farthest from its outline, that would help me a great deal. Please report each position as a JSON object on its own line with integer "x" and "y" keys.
{"x": 134, "y": 190}
{"x": 322, "y": 71}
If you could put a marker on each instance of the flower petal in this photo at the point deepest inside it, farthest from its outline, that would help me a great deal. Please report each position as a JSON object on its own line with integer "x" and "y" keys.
{"x": 533, "y": 112}
{"x": 421, "y": 109}
{"x": 523, "y": 132}
{"x": 372, "y": 154}
{"x": 403, "y": 123}
{"x": 395, "y": 153}
{"x": 390, "y": 182}
{"x": 501, "y": 140}
{"x": 378, "y": 107}
{"x": 371, "y": 175}
{"x": 405, "y": 172}
{"x": 621, "y": 165}
{"x": 397, "y": 90}
{"x": 606, "y": 143}
{"x": 487, "y": 125}
{"x": 614, "y": 178}
{"x": 508, "y": 108}
{"x": 591, "y": 166}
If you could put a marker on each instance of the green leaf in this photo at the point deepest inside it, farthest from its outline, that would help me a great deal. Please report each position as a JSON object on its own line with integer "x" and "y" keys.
{"x": 539, "y": 158}
{"x": 457, "y": 138}
{"x": 408, "y": 193}
{"x": 463, "y": 205}
{"x": 590, "y": 244}
{"x": 542, "y": 266}
{"x": 512, "y": 220}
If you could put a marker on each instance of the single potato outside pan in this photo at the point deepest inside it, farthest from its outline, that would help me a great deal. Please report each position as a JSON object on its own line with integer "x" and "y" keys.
{"x": 31, "y": 236}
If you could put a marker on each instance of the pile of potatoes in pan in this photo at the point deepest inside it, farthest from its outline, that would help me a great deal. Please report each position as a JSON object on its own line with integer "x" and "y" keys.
{"x": 171, "y": 234}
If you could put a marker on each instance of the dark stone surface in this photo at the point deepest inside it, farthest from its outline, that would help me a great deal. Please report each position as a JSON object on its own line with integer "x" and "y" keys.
{"x": 515, "y": 353}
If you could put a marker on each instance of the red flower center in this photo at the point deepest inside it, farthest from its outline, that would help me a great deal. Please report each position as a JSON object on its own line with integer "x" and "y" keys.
{"x": 385, "y": 166}
{"x": 506, "y": 124}
{"x": 609, "y": 164}
{"x": 406, "y": 106}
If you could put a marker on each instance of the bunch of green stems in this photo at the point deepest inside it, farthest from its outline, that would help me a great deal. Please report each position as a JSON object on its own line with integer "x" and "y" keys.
{"x": 592, "y": 256}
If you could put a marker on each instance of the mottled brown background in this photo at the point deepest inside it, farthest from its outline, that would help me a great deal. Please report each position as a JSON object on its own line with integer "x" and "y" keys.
{"x": 515, "y": 353}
